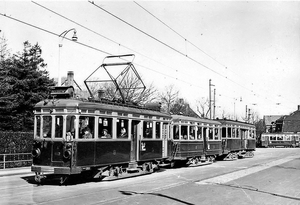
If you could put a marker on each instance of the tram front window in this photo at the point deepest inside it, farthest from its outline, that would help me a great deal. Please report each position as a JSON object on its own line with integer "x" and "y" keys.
{"x": 37, "y": 129}
{"x": 71, "y": 125}
{"x": 86, "y": 127}
{"x": 47, "y": 122}
{"x": 59, "y": 126}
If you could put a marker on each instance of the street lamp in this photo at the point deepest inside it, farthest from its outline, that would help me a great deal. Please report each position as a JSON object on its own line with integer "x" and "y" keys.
{"x": 62, "y": 36}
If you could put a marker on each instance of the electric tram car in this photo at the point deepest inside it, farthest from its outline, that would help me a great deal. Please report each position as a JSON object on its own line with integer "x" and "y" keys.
{"x": 74, "y": 136}
{"x": 196, "y": 141}
{"x": 238, "y": 139}
{"x": 280, "y": 140}
{"x": 114, "y": 139}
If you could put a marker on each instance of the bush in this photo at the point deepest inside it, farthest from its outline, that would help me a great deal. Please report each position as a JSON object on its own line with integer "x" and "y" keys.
{"x": 16, "y": 142}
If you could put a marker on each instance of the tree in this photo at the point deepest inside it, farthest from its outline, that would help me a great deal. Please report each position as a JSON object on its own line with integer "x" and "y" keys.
{"x": 203, "y": 107}
{"x": 24, "y": 82}
{"x": 130, "y": 87}
{"x": 168, "y": 98}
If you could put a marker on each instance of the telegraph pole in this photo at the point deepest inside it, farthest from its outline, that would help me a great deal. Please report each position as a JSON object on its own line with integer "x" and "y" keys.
{"x": 210, "y": 110}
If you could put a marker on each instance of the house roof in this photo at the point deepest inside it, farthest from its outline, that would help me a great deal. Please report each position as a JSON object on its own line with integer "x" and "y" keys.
{"x": 271, "y": 118}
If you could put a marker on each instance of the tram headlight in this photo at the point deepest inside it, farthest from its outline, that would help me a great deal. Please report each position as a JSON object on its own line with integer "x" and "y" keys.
{"x": 36, "y": 152}
{"x": 67, "y": 151}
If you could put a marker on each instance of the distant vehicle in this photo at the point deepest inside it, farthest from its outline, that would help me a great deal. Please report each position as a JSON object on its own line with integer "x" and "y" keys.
{"x": 279, "y": 140}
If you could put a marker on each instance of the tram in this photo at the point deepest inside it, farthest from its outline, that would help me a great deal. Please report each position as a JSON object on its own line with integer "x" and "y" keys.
{"x": 280, "y": 139}
{"x": 97, "y": 136}
{"x": 116, "y": 138}
{"x": 238, "y": 139}
{"x": 196, "y": 141}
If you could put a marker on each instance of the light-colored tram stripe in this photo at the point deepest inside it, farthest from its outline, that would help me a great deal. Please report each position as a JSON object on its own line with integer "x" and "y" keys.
{"x": 245, "y": 172}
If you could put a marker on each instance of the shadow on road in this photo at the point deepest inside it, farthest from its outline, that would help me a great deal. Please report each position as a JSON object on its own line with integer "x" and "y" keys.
{"x": 155, "y": 194}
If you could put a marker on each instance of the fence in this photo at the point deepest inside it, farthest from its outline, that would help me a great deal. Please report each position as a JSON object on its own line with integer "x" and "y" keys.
{"x": 15, "y": 160}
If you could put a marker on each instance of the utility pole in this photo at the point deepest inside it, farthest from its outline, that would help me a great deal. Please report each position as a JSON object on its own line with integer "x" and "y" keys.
{"x": 214, "y": 104}
{"x": 246, "y": 117}
{"x": 210, "y": 110}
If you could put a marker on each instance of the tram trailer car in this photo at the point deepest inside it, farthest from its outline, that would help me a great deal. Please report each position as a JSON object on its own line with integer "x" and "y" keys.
{"x": 238, "y": 139}
{"x": 74, "y": 136}
{"x": 280, "y": 140}
{"x": 196, "y": 141}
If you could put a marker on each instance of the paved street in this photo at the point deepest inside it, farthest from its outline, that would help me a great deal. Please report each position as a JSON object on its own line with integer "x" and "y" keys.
{"x": 271, "y": 177}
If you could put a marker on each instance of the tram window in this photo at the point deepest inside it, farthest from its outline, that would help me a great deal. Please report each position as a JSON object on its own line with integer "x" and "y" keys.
{"x": 204, "y": 133}
{"x": 223, "y": 132}
{"x": 280, "y": 138}
{"x": 71, "y": 125}
{"x": 86, "y": 127}
{"x": 157, "y": 130}
{"x": 176, "y": 132}
{"x": 199, "y": 133}
{"x": 233, "y": 133}
{"x": 192, "y": 132}
{"x": 288, "y": 138}
{"x": 59, "y": 126}
{"x": 122, "y": 128}
{"x": 216, "y": 133}
{"x": 147, "y": 129}
{"x": 272, "y": 138}
{"x": 38, "y": 126}
{"x": 184, "y": 129}
{"x": 263, "y": 138}
{"x": 297, "y": 138}
{"x": 229, "y": 132}
{"x": 210, "y": 134}
{"x": 104, "y": 127}
{"x": 47, "y": 124}
{"x": 237, "y": 133}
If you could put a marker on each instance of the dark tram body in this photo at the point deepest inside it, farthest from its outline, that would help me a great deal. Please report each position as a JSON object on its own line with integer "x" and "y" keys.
{"x": 238, "y": 139}
{"x": 73, "y": 136}
{"x": 195, "y": 140}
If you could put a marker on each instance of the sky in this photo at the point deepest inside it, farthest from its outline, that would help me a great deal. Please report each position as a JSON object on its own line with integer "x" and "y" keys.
{"x": 250, "y": 50}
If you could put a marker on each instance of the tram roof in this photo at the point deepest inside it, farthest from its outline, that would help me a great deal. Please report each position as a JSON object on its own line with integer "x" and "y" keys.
{"x": 235, "y": 122}
{"x": 86, "y": 105}
{"x": 194, "y": 119}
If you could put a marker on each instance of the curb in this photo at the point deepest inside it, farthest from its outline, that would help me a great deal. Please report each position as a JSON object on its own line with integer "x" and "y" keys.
{"x": 15, "y": 171}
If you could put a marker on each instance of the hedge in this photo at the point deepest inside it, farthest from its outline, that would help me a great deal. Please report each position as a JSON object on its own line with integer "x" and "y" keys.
{"x": 15, "y": 142}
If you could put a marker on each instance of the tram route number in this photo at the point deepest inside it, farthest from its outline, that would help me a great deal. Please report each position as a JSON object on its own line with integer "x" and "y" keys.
{"x": 143, "y": 146}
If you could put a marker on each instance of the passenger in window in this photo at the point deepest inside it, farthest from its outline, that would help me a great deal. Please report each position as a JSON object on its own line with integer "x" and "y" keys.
{"x": 123, "y": 133}
{"x": 148, "y": 133}
{"x": 87, "y": 133}
{"x": 105, "y": 134}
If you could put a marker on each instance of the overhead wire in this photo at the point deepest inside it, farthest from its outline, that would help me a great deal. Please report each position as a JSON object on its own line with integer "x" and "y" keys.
{"x": 172, "y": 48}
{"x": 85, "y": 45}
{"x": 113, "y": 41}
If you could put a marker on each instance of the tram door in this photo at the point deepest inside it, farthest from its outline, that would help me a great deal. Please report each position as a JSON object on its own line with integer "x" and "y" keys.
{"x": 134, "y": 140}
